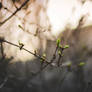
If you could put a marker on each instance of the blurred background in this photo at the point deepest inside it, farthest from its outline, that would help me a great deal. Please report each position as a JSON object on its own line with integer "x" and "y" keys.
{"x": 38, "y": 24}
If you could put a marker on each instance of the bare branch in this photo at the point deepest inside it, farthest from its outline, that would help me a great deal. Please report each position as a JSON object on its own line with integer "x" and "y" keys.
{"x": 2, "y": 50}
{"x": 25, "y": 50}
{"x": 4, "y": 82}
{"x": 18, "y": 9}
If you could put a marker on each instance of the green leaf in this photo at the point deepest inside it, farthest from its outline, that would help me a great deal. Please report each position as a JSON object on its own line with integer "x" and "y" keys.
{"x": 42, "y": 59}
{"x": 59, "y": 52}
{"x": 60, "y": 46}
{"x": 20, "y": 27}
{"x": 44, "y": 55}
{"x": 58, "y": 42}
{"x": 66, "y": 46}
{"x": 82, "y": 63}
{"x": 20, "y": 44}
{"x": 62, "y": 55}
{"x": 35, "y": 51}
{"x": 69, "y": 64}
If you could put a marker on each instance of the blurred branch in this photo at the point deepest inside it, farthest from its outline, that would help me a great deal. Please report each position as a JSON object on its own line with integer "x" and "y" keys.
{"x": 2, "y": 51}
{"x": 18, "y": 9}
{"x": 89, "y": 85}
{"x": 4, "y": 82}
{"x": 46, "y": 62}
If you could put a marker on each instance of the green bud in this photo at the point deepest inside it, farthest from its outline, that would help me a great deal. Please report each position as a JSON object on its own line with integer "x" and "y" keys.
{"x": 20, "y": 27}
{"x": 59, "y": 52}
{"x": 44, "y": 55}
{"x": 58, "y": 42}
{"x": 60, "y": 46}
{"x": 66, "y": 46}
{"x": 21, "y": 45}
{"x": 81, "y": 64}
{"x": 69, "y": 64}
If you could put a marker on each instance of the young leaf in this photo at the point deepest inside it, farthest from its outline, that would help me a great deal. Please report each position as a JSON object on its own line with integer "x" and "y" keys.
{"x": 66, "y": 46}
{"x": 44, "y": 55}
{"x": 60, "y": 46}
{"x": 21, "y": 45}
{"x": 20, "y": 27}
{"x": 69, "y": 68}
{"x": 35, "y": 51}
{"x": 81, "y": 63}
{"x": 58, "y": 42}
{"x": 69, "y": 64}
{"x": 62, "y": 55}
{"x": 59, "y": 52}
{"x": 41, "y": 60}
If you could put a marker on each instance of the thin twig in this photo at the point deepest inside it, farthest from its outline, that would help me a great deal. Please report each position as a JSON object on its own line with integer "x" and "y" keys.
{"x": 4, "y": 82}
{"x": 38, "y": 56}
{"x": 46, "y": 61}
{"x": 26, "y": 50}
{"x": 2, "y": 50}
{"x": 18, "y": 9}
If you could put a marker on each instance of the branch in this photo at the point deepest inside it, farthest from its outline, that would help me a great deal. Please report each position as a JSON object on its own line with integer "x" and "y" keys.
{"x": 25, "y": 50}
{"x": 38, "y": 56}
{"x": 46, "y": 61}
{"x": 4, "y": 82}
{"x": 18, "y": 9}
{"x": 3, "y": 40}
{"x": 2, "y": 51}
